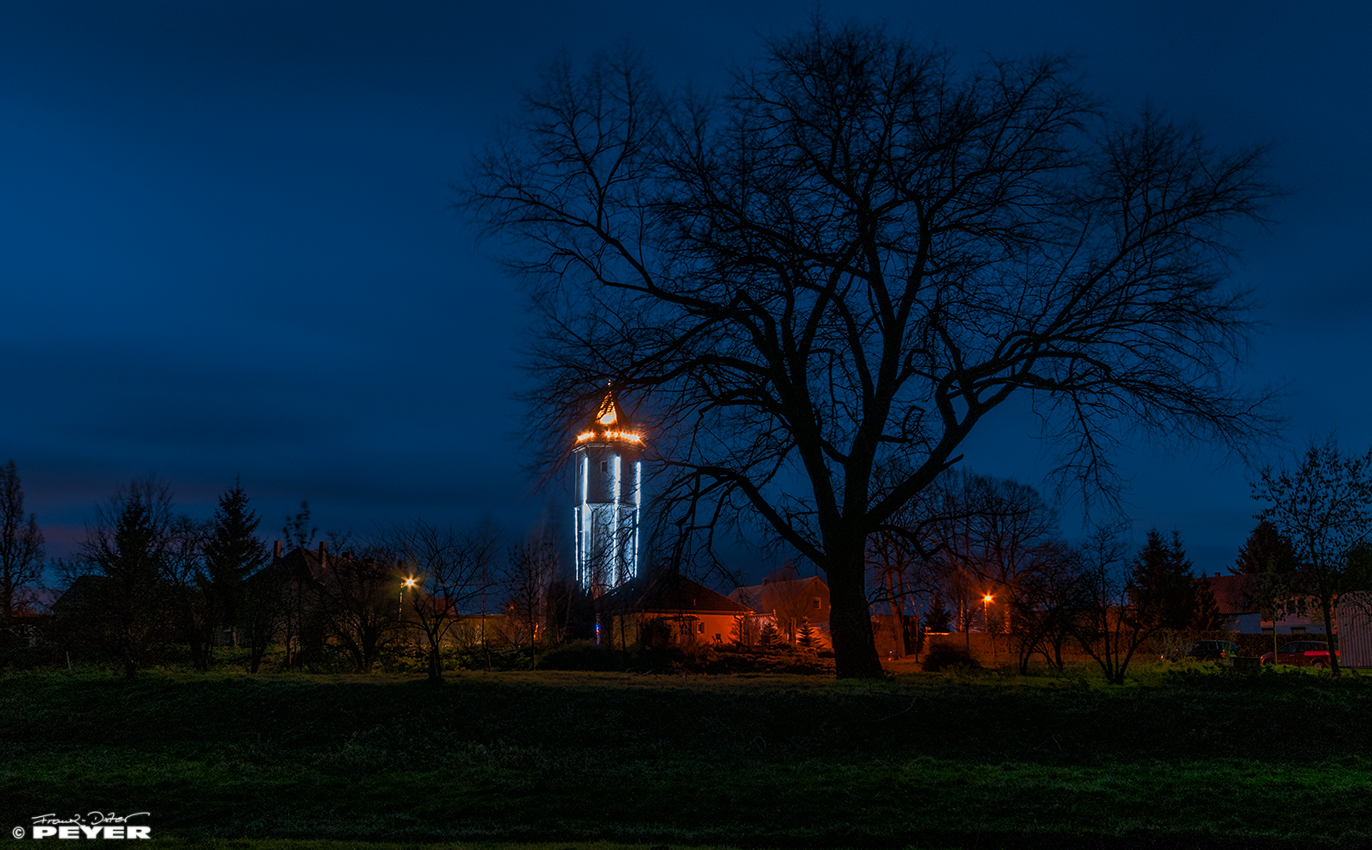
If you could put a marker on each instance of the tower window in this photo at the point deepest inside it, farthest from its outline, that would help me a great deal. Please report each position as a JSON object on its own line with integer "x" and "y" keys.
{"x": 604, "y": 466}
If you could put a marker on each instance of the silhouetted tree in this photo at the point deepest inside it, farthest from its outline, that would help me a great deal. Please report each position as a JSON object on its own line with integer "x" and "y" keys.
{"x": 264, "y": 609}
{"x": 232, "y": 553}
{"x": 529, "y": 572}
{"x": 849, "y": 260}
{"x": 1162, "y": 589}
{"x": 1324, "y": 508}
{"x": 937, "y": 618}
{"x": 186, "y": 585}
{"x": 359, "y": 600}
{"x": 1265, "y": 551}
{"x": 989, "y": 533}
{"x": 1046, "y": 607}
{"x": 442, "y": 571}
{"x": 129, "y": 547}
{"x": 21, "y": 549}
{"x": 571, "y": 612}
{"x": 297, "y": 531}
{"x": 1206, "y": 615}
{"x": 1111, "y": 616}
{"x": 1267, "y": 556}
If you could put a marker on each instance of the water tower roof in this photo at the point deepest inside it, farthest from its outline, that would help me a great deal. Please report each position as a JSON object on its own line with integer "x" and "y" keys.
{"x": 610, "y": 423}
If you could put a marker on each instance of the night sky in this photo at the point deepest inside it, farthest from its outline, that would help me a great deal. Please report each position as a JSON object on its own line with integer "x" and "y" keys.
{"x": 227, "y": 247}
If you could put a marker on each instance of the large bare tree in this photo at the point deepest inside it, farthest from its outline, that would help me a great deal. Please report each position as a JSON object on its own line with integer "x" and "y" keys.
{"x": 21, "y": 548}
{"x": 847, "y": 260}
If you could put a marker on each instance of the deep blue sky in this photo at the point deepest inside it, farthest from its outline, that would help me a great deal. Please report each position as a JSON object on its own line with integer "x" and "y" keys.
{"x": 226, "y": 247}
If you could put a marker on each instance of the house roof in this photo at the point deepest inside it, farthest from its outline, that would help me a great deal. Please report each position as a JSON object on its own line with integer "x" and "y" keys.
{"x": 670, "y": 593}
{"x": 775, "y": 594}
{"x": 85, "y": 590}
{"x": 1233, "y": 594}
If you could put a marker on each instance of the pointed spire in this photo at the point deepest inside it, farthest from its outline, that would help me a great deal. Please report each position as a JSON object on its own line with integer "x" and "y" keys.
{"x": 609, "y": 423}
{"x": 608, "y": 414}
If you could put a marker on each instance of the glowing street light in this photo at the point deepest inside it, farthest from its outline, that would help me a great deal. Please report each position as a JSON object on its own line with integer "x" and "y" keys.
{"x": 409, "y": 582}
{"x": 986, "y": 621}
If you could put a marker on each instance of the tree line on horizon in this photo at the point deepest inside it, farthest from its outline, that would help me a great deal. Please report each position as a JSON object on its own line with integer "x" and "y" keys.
{"x": 146, "y": 576}
{"x": 971, "y": 536}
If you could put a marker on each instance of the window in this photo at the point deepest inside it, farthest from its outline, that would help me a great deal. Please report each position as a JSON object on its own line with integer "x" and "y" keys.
{"x": 700, "y": 628}
{"x": 604, "y": 466}
{"x": 817, "y": 605}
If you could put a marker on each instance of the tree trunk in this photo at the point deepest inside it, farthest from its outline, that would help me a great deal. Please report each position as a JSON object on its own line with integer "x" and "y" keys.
{"x": 1330, "y": 641}
{"x": 897, "y": 620}
{"x": 435, "y": 669}
{"x": 850, "y": 625}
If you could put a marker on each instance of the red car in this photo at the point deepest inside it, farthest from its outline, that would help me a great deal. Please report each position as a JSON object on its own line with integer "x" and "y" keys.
{"x": 1304, "y": 653}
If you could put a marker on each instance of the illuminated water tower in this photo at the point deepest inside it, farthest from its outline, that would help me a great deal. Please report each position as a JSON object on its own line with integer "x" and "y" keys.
{"x": 609, "y": 488}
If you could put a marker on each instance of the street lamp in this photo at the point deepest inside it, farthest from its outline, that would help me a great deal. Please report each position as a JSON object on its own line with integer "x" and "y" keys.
{"x": 986, "y": 621}
{"x": 409, "y": 582}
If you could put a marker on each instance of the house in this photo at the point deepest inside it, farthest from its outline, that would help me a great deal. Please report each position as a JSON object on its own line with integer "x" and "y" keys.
{"x": 1234, "y": 596}
{"x": 667, "y": 608}
{"x": 788, "y": 604}
{"x": 1354, "y": 615}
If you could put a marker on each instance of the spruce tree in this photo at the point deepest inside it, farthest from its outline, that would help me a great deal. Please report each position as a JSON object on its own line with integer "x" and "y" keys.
{"x": 1162, "y": 589}
{"x": 233, "y": 553}
{"x": 937, "y": 618}
{"x": 1266, "y": 551}
{"x": 1206, "y": 616}
{"x": 770, "y": 635}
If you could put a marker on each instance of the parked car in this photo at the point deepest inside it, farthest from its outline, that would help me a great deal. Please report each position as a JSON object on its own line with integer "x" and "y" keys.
{"x": 1206, "y": 650}
{"x": 1304, "y": 653}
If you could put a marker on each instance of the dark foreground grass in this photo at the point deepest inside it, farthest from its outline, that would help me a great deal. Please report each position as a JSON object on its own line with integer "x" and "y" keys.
{"x": 231, "y": 761}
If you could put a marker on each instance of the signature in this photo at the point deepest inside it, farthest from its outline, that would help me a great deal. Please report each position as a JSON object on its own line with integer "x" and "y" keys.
{"x": 88, "y": 819}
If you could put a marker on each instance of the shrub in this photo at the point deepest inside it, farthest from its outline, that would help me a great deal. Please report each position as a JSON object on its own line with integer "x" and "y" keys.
{"x": 942, "y": 656}
{"x": 582, "y": 655}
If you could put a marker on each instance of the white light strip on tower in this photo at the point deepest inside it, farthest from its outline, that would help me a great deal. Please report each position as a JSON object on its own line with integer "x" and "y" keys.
{"x": 638, "y": 490}
{"x": 576, "y": 542}
{"x": 614, "y": 527}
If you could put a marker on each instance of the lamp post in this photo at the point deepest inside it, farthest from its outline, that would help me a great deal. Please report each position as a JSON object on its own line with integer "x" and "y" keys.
{"x": 409, "y": 582}
{"x": 986, "y": 620}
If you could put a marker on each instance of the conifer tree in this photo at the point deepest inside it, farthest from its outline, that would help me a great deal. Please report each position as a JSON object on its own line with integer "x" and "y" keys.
{"x": 128, "y": 549}
{"x": 232, "y": 553}
{"x": 769, "y": 636}
{"x": 1266, "y": 551}
{"x": 1206, "y": 616}
{"x": 1162, "y": 590}
{"x": 937, "y": 618}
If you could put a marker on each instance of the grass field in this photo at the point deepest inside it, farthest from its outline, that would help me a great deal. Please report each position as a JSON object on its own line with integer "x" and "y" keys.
{"x": 1183, "y": 757}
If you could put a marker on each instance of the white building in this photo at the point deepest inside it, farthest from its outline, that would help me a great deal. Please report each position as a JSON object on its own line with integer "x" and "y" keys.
{"x": 608, "y": 493}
